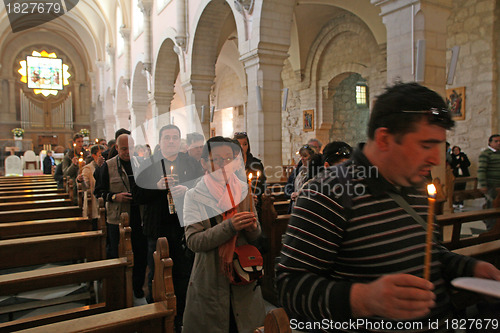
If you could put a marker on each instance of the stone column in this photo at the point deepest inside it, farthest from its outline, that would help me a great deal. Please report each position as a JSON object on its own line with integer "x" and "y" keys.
{"x": 112, "y": 53}
{"x": 197, "y": 92}
{"x": 138, "y": 114}
{"x": 145, "y": 7}
{"x": 181, "y": 36}
{"x": 407, "y": 22}
{"x": 263, "y": 68}
{"x": 125, "y": 32}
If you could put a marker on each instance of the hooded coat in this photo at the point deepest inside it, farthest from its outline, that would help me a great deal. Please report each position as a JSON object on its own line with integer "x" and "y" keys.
{"x": 210, "y": 293}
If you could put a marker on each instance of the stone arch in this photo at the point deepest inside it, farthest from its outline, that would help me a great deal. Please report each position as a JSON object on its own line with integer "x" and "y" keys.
{"x": 166, "y": 71}
{"x": 206, "y": 41}
{"x": 329, "y": 62}
{"x": 333, "y": 30}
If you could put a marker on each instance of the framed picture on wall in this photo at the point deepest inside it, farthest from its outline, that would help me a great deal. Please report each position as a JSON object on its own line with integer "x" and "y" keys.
{"x": 308, "y": 120}
{"x": 455, "y": 99}
{"x": 212, "y": 132}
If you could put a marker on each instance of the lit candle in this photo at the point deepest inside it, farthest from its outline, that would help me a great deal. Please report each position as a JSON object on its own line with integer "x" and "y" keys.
{"x": 80, "y": 162}
{"x": 250, "y": 175}
{"x": 431, "y": 190}
{"x": 171, "y": 170}
{"x": 256, "y": 182}
{"x": 96, "y": 140}
{"x": 74, "y": 149}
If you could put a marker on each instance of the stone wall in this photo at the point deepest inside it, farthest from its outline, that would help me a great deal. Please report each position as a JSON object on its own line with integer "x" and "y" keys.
{"x": 351, "y": 53}
{"x": 350, "y": 120}
{"x": 471, "y": 26}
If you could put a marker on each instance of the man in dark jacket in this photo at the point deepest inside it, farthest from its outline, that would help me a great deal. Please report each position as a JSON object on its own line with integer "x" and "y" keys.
{"x": 152, "y": 191}
{"x": 48, "y": 163}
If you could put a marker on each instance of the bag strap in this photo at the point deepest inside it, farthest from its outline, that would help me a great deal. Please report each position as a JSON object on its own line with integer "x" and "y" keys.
{"x": 409, "y": 209}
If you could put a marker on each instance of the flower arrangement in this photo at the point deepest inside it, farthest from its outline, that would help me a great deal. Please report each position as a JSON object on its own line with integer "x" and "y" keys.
{"x": 85, "y": 132}
{"x": 18, "y": 132}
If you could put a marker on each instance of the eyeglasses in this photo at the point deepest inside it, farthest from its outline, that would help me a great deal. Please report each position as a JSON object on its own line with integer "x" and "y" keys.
{"x": 441, "y": 116}
{"x": 222, "y": 161}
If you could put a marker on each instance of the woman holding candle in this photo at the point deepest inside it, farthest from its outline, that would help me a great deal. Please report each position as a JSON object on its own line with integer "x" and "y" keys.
{"x": 252, "y": 166}
{"x": 216, "y": 223}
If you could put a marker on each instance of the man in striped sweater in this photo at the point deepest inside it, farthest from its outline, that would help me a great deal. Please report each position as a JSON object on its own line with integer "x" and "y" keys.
{"x": 488, "y": 173}
{"x": 352, "y": 257}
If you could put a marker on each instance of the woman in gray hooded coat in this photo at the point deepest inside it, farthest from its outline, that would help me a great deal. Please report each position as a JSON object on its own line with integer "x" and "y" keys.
{"x": 214, "y": 227}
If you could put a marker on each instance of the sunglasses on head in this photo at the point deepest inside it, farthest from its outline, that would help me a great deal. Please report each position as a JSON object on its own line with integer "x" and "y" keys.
{"x": 240, "y": 133}
{"x": 436, "y": 115}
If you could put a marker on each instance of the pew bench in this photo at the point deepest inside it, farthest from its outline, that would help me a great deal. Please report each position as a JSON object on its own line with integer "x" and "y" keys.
{"x": 31, "y": 191}
{"x": 486, "y": 246}
{"x": 36, "y": 204}
{"x": 32, "y": 197}
{"x": 29, "y": 251}
{"x": 114, "y": 273}
{"x": 44, "y": 227}
{"x": 28, "y": 183}
{"x": 156, "y": 317}
{"x": 116, "y": 292}
{"x": 27, "y": 187}
{"x": 42, "y": 213}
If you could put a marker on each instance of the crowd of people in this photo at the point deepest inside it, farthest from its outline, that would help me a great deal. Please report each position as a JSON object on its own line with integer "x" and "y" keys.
{"x": 347, "y": 254}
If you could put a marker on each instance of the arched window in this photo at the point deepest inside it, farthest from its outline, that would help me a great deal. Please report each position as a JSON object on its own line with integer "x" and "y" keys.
{"x": 120, "y": 44}
{"x": 138, "y": 19}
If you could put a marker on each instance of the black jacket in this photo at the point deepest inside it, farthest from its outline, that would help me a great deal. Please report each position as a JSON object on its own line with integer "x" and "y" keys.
{"x": 157, "y": 221}
{"x": 47, "y": 165}
{"x": 460, "y": 161}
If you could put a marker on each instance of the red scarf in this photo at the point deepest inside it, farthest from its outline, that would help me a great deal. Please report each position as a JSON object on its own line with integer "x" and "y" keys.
{"x": 228, "y": 196}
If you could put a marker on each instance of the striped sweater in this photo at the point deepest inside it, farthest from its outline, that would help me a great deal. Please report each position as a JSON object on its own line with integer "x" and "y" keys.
{"x": 332, "y": 242}
{"x": 488, "y": 172}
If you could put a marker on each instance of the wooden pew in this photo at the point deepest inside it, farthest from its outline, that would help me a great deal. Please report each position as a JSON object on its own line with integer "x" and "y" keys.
{"x": 115, "y": 294}
{"x": 36, "y": 204}
{"x": 42, "y": 213}
{"x": 27, "y": 187}
{"x": 276, "y": 321}
{"x": 273, "y": 226}
{"x": 51, "y": 226}
{"x": 28, "y": 183}
{"x": 32, "y": 197}
{"x": 28, "y": 251}
{"x": 31, "y": 191}
{"x": 156, "y": 317}
{"x": 44, "y": 227}
{"x": 486, "y": 246}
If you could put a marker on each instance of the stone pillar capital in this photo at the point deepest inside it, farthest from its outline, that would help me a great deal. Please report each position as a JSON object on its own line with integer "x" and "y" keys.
{"x": 125, "y": 32}
{"x": 145, "y": 6}
{"x": 110, "y": 50}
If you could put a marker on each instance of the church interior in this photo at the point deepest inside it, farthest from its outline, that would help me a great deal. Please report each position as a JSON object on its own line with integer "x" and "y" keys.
{"x": 283, "y": 72}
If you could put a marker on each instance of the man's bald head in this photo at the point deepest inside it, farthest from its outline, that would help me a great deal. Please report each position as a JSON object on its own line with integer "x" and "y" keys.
{"x": 123, "y": 142}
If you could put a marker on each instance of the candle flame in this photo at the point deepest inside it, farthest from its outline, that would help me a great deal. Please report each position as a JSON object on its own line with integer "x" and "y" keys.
{"x": 74, "y": 144}
{"x": 80, "y": 160}
{"x": 96, "y": 140}
{"x": 171, "y": 168}
{"x": 431, "y": 190}
{"x": 258, "y": 174}
{"x": 250, "y": 176}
